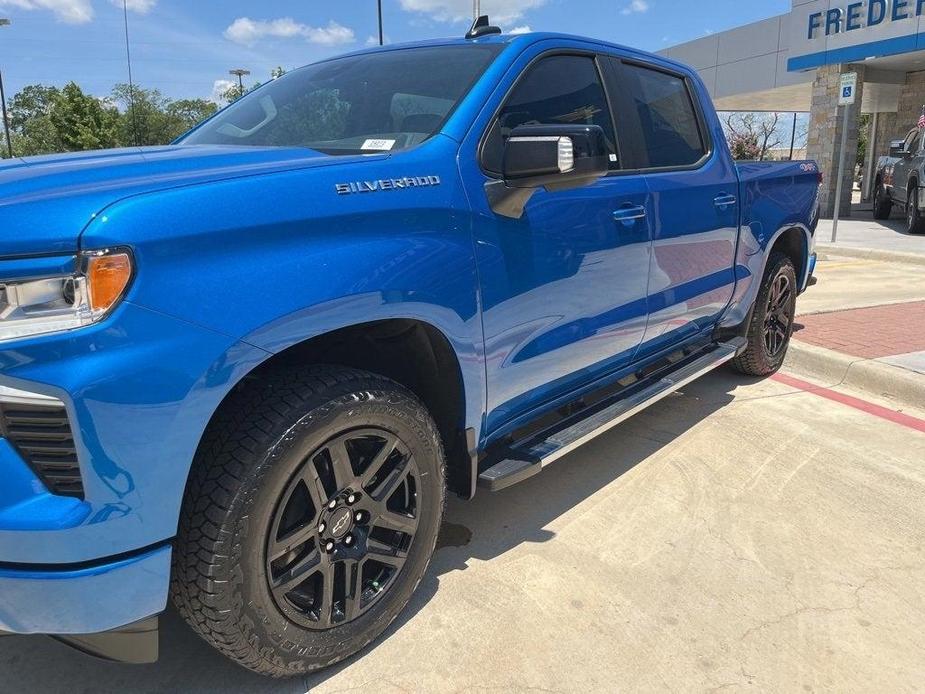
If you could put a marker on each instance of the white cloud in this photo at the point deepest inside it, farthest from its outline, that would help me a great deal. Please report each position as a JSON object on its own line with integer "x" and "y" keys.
{"x": 525, "y": 29}
{"x": 139, "y": 6}
{"x": 636, "y": 7}
{"x": 70, "y": 11}
{"x": 499, "y": 11}
{"x": 247, "y": 31}
{"x": 219, "y": 87}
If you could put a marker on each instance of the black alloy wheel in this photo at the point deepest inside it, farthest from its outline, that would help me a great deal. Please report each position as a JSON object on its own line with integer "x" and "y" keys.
{"x": 310, "y": 517}
{"x": 778, "y": 319}
{"x": 772, "y": 320}
{"x": 343, "y": 528}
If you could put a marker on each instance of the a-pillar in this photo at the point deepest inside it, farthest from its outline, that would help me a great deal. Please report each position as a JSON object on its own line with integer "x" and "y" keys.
{"x": 825, "y": 132}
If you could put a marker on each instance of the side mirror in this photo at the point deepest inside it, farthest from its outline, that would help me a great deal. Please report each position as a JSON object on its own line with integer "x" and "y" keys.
{"x": 555, "y": 157}
{"x": 898, "y": 149}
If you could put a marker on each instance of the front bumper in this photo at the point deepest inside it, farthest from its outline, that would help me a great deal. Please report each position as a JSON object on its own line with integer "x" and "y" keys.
{"x": 84, "y": 599}
{"x": 139, "y": 390}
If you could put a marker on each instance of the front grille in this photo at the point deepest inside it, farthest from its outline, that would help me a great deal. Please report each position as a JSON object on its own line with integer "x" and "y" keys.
{"x": 42, "y": 435}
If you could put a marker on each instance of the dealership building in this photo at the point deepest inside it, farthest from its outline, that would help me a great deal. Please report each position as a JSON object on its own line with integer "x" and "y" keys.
{"x": 793, "y": 62}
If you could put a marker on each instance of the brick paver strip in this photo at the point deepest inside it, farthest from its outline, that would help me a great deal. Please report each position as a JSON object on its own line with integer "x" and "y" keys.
{"x": 882, "y": 331}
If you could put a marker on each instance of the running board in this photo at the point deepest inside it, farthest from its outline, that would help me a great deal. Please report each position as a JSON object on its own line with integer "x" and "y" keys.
{"x": 527, "y": 458}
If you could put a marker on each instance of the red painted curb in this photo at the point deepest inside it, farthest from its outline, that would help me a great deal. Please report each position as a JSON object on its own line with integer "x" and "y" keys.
{"x": 856, "y": 403}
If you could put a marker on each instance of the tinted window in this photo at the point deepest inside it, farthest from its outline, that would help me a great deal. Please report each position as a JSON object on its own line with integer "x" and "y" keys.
{"x": 670, "y": 128}
{"x": 559, "y": 90}
{"x": 380, "y": 101}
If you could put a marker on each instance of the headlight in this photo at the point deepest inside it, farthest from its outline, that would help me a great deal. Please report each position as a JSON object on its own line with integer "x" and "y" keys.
{"x": 53, "y": 304}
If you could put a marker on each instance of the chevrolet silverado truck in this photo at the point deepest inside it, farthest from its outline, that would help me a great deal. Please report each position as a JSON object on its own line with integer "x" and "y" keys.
{"x": 243, "y": 371}
{"x": 898, "y": 180}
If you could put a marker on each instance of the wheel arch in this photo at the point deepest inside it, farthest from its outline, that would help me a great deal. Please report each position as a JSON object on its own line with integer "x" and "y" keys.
{"x": 794, "y": 242}
{"x": 412, "y": 352}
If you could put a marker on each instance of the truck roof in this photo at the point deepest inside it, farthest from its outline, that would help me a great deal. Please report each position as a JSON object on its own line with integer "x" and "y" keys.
{"x": 522, "y": 40}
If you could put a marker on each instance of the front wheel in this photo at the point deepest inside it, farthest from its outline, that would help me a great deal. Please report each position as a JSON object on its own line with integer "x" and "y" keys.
{"x": 915, "y": 223}
{"x": 882, "y": 203}
{"x": 771, "y": 325}
{"x": 310, "y": 518}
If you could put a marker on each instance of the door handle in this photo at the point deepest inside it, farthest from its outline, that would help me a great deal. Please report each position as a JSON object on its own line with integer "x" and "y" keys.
{"x": 627, "y": 216}
{"x": 723, "y": 201}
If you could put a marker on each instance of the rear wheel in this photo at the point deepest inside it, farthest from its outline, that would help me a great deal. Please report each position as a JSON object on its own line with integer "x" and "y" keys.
{"x": 772, "y": 320}
{"x": 915, "y": 223}
{"x": 309, "y": 520}
{"x": 882, "y": 203}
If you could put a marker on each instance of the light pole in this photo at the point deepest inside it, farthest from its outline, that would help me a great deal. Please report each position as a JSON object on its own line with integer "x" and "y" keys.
{"x": 381, "y": 36}
{"x": 6, "y": 121}
{"x": 476, "y": 9}
{"x": 240, "y": 73}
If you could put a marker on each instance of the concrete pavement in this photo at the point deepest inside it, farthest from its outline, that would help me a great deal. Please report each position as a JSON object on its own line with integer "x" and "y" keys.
{"x": 862, "y": 231}
{"x": 742, "y": 535}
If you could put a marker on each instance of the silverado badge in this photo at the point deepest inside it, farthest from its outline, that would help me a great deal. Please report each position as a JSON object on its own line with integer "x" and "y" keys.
{"x": 386, "y": 184}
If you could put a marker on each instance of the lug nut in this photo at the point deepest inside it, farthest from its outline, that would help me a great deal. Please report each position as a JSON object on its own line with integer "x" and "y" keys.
{"x": 352, "y": 499}
{"x": 329, "y": 547}
{"x": 332, "y": 504}
{"x": 358, "y": 516}
{"x": 348, "y": 540}
{"x": 321, "y": 527}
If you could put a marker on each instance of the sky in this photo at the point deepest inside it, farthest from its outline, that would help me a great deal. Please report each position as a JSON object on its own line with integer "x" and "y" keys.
{"x": 185, "y": 48}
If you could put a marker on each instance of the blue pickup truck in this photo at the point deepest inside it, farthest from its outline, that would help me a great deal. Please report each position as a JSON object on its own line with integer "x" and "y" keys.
{"x": 243, "y": 371}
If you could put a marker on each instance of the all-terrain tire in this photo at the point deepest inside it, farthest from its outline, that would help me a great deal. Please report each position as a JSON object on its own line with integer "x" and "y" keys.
{"x": 765, "y": 355}
{"x": 883, "y": 205}
{"x": 261, "y": 444}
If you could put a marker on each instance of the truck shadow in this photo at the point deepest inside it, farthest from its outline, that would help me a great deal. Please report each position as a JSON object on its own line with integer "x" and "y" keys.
{"x": 483, "y": 529}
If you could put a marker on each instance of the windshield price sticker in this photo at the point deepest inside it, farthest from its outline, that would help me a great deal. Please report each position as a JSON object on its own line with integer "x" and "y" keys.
{"x": 379, "y": 145}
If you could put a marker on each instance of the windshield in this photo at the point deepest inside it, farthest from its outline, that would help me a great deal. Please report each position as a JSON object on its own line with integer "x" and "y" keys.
{"x": 376, "y": 102}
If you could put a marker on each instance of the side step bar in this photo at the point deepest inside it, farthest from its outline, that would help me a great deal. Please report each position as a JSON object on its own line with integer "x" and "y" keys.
{"x": 527, "y": 458}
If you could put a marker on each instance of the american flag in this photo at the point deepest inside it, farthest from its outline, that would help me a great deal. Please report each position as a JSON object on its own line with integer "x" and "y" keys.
{"x": 922, "y": 119}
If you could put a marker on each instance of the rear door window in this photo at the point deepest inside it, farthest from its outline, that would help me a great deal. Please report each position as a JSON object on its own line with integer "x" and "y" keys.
{"x": 668, "y": 122}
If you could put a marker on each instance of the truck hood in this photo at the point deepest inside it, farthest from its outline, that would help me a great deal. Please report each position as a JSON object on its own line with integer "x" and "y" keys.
{"x": 46, "y": 202}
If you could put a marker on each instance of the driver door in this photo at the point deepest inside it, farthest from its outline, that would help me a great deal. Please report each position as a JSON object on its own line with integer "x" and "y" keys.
{"x": 564, "y": 287}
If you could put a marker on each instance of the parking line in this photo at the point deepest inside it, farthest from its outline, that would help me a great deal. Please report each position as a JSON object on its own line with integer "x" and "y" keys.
{"x": 856, "y": 403}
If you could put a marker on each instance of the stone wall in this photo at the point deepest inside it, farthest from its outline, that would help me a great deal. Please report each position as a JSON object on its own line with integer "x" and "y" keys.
{"x": 825, "y": 131}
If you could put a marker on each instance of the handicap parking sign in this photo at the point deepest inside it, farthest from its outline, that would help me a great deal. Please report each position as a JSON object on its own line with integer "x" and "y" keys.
{"x": 849, "y": 83}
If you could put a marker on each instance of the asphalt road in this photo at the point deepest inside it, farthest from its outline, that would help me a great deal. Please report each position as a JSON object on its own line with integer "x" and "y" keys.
{"x": 741, "y": 535}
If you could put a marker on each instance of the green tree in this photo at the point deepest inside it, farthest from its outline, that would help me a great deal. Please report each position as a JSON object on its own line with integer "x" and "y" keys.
{"x": 187, "y": 113}
{"x": 30, "y": 121}
{"x": 150, "y": 118}
{"x": 143, "y": 118}
{"x": 863, "y": 138}
{"x": 82, "y": 121}
{"x": 235, "y": 91}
